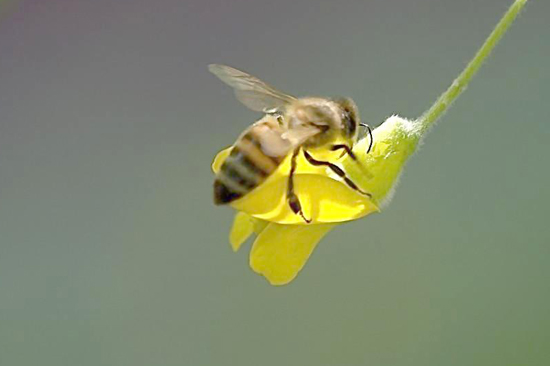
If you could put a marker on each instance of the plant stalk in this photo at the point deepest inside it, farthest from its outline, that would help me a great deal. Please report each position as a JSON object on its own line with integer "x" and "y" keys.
{"x": 441, "y": 105}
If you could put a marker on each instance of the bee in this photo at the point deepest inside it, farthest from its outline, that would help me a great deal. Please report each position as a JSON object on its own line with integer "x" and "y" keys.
{"x": 289, "y": 125}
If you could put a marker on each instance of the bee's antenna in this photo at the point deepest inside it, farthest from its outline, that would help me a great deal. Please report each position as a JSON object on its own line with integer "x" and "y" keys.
{"x": 370, "y": 135}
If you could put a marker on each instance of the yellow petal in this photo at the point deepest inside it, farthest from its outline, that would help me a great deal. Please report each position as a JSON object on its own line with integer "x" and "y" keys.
{"x": 242, "y": 228}
{"x": 280, "y": 251}
{"x": 259, "y": 225}
{"x": 219, "y": 159}
{"x": 324, "y": 198}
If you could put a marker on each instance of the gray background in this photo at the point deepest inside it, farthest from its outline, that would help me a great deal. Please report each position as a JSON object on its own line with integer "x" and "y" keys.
{"x": 111, "y": 252}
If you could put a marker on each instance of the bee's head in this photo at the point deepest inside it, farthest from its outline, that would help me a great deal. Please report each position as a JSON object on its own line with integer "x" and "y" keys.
{"x": 350, "y": 117}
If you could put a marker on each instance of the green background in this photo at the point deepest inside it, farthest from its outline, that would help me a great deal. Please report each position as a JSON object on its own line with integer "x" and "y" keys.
{"x": 112, "y": 253}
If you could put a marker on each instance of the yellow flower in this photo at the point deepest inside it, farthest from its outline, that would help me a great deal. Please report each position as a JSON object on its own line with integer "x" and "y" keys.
{"x": 284, "y": 241}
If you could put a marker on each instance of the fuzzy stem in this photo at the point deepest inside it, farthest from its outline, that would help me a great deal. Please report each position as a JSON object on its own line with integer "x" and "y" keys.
{"x": 429, "y": 117}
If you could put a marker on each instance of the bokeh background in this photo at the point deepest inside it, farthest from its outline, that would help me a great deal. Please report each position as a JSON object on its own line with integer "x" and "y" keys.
{"x": 112, "y": 253}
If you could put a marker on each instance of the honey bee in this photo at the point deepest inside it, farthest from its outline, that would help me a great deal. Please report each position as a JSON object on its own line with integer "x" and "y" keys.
{"x": 289, "y": 125}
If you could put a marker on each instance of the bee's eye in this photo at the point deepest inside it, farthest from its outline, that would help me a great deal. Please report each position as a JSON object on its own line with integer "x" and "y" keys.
{"x": 349, "y": 123}
{"x": 347, "y": 115}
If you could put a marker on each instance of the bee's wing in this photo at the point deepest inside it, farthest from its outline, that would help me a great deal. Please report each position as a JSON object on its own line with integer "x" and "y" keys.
{"x": 298, "y": 135}
{"x": 251, "y": 91}
{"x": 278, "y": 141}
{"x": 287, "y": 141}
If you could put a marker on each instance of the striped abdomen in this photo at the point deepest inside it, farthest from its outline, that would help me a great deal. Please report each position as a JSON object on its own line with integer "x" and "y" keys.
{"x": 246, "y": 167}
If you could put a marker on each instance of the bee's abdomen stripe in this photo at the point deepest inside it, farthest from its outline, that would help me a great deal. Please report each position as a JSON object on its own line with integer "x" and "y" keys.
{"x": 223, "y": 195}
{"x": 256, "y": 156}
{"x": 252, "y": 136}
{"x": 231, "y": 183}
{"x": 250, "y": 166}
{"x": 238, "y": 174}
{"x": 235, "y": 165}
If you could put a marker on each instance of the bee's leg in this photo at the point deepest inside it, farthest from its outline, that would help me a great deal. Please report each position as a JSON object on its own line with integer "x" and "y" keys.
{"x": 347, "y": 150}
{"x": 293, "y": 200}
{"x": 336, "y": 169}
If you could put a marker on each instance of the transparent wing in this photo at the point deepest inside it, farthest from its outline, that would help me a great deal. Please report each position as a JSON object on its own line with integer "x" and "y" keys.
{"x": 298, "y": 135}
{"x": 251, "y": 91}
{"x": 281, "y": 145}
{"x": 276, "y": 140}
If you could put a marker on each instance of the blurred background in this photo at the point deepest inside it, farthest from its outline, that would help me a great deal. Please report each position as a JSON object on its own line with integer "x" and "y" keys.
{"x": 112, "y": 253}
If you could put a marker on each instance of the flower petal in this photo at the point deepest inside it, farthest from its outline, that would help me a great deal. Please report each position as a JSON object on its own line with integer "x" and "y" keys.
{"x": 220, "y": 158}
{"x": 243, "y": 226}
{"x": 324, "y": 197}
{"x": 280, "y": 251}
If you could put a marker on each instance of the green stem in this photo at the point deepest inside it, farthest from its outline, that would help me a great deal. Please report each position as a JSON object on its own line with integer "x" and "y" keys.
{"x": 459, "y": 84}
